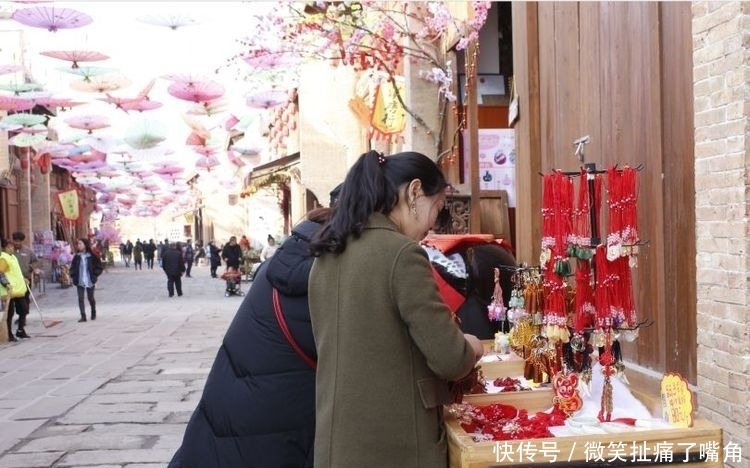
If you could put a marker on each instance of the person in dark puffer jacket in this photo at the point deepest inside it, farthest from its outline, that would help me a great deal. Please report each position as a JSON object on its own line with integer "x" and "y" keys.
{"x": 258, "y": 404}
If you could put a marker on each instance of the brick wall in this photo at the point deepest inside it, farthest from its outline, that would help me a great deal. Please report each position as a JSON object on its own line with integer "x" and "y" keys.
{"x": 721, "y": 77}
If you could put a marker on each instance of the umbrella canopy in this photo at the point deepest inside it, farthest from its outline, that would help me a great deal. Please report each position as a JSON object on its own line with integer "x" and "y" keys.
{"x": 200, "y": 91}
{"x": 101, "y": 83}
{"x": 75, "y": 56}
{"x": 87, "y": 72}
{"x": 270, "y": 60}
{"x": 51, "y": 18}
{"x": 267, "y": 99}
{"x": 28, "y": 139}
{"x": 15, "y": 104}
{"x": 140, "y": 105}
{"x": 24, "y": 120}
{"x": 207, "y": 163}
{"x": 57, "y": 102}
{"x": 11, "y": 68}
{"x": 172, "y": 21}
{"x": 18, "y": 88}
{"x": 145, "y": 134}
{"x": 88, "y": 122}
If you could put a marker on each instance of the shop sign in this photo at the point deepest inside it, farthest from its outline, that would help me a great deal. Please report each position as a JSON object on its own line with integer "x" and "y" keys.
{"x": 677, "y": 400}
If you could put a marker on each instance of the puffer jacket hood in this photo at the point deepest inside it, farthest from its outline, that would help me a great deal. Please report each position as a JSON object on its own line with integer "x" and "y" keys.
{"x": 289, "y": 268}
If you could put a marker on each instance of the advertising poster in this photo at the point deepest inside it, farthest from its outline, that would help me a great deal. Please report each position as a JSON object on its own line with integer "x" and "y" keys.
{"x": 497, "y": 161}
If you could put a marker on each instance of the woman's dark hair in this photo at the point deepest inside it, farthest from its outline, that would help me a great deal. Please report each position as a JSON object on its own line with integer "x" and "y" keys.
{"x": 86, "y": 244}
{"x": 372, "y": 185}
{"x": 4, "y": 243}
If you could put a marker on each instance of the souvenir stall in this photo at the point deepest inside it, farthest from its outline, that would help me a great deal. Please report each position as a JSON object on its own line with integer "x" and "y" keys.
{"x": 552, "y": 387}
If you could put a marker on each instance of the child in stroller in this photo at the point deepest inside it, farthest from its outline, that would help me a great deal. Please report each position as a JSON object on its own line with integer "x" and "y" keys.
{"x": 233, "y": 278}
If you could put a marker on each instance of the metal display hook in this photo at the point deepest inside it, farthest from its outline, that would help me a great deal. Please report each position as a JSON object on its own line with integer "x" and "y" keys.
{"x": 578, "y": 143}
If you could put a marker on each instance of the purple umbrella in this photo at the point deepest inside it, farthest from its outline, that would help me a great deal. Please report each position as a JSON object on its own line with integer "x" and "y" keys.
{"x": 15, "y": 104}
{"x": 6, "y": 69}
{"x": 199, "y": 91}
{"x": 267, "y": 99}
{"x": 51, "y": 18}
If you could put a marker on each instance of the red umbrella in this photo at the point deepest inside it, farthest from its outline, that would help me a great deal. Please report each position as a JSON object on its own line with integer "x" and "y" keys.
{"x": 88, "y": 122}
{"x": 75, "y": 56}
{"x": 200, "y": 91}
{"x": 51, "y": 18}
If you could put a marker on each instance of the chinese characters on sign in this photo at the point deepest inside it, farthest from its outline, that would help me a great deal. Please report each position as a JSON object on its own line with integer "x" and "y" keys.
{"x": 633, "y": 452}
{"x": 676, "y": 400}
{"x": 496, "y": 161}
{"x": 69, "y": 204}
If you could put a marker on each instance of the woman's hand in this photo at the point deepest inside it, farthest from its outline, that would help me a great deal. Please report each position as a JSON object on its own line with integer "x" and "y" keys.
{"x": 476, "y": 344}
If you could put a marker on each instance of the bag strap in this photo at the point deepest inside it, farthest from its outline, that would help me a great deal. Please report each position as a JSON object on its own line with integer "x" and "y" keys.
{"x": 285, "y": 330}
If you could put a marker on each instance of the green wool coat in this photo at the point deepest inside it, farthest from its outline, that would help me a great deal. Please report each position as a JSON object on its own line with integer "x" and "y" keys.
{"x": 387, "y": 346}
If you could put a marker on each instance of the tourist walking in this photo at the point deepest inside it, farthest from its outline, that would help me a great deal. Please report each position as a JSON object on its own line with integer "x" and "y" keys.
{"x": 84, "y": 272}
{"x": 174, "y": 266}
{"x": 187, "y": 256}
{"x": 16, "y": 291}
{"x": 214, "y": 255}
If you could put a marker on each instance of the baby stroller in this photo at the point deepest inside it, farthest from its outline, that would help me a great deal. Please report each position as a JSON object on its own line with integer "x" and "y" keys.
{"x": 233, "y": 279}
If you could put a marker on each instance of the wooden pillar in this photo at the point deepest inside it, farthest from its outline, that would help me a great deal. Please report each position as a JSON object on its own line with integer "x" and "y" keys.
{"x": 472, "y": 132}
{"x": 528, "y": 132}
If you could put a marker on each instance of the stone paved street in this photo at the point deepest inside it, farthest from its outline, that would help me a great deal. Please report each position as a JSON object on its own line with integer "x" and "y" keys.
{"x": 118, "y": 391}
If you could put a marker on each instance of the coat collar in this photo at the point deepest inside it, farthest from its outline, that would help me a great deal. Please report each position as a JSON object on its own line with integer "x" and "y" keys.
{"x": 380, "y": 221}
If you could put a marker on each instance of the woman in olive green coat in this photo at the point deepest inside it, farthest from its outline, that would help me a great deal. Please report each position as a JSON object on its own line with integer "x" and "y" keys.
{"x": 387, "y": 345}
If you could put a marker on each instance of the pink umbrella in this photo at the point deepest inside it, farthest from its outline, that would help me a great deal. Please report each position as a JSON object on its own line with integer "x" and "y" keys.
{"x": 207, "y": 163}
{"x": 186, "y": 77}
{"x": 15, "y": 104}
{"x": 75, "y": 56}
{"x": 88, "y": 122}
{"x": 267, "y": 59}
{"x": 62, "y": 103}
{"x": 267, "y": 99}
{"x": 200, "y": 91}
{"x": 51, "y": 18}
{"x": 140, "y": 105}
{"x": 6, "y": 69}
{"x": 234, "y": 159}
{"x": 169, "y": 170}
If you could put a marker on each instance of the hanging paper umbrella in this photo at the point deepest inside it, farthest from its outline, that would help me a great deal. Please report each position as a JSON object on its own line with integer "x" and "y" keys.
{"x": 207, "y": 163}
{"x": 209, "y": 108}
{"x": 33, "y": 129}
{"x": 18, "y": 88}
{"x": 140, "y": 105}
{"x": 196, "y": 92}
{"x": 15, "y": 104}
{"x": 269, "y": 59}
{"x": 88, "y": 122}
{"x": 11, "y": 68}
{"x": 63, "y": 103}
{"x": 27, "y": 139}
{"x": 234, "y": 159}
{"x": 101, "y": 83}
{"x": 24, "y": 120}
{"x": 169, "y": 170}
{"x": 145, "y": 134}
{"x": 76, "y": 56}
{"x": 186, "y": 77}
{"x": 51, "y": 18}
{"x": 87, "y": 72}
{"x": 267, "y": 99}
{"x": 171, "y": 20}
{"x": 105, "y": 144}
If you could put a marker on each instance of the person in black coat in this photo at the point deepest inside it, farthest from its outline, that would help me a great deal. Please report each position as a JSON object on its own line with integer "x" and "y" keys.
{"x": 84, "y": 272}
{"x": 232, "y": 253}
{"x": 214, "y": 257}
{"x": 258, "y": 405}
{"x": 174, "y": 266}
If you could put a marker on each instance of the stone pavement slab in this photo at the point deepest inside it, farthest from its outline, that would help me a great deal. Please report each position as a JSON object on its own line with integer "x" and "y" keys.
{"x": 116, "y": 392}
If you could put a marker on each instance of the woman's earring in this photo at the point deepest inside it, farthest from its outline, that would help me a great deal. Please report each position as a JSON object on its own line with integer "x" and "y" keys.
{"x": 414, "y": 208}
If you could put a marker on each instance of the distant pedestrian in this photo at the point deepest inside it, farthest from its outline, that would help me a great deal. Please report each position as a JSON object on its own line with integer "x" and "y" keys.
{"x": 28, "y": 262}
{"x": 200, "y": 252}
{"x": 138, "y": 255}
{"x": 269, "y": 249}
{"x": 232, "y": 254}
{"x": 128, "y": 253}
{"x": 214, "y": 255}
{"x": 174, "y": 266}
{"x": 17, "y": 289}
{"x": 149, "y": 251}
{"x": 187, "y": 256}
{"x": 84, "y": 272}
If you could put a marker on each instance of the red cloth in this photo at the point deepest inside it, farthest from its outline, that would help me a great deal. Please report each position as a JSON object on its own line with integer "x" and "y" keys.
{"x": 452, "y": 298}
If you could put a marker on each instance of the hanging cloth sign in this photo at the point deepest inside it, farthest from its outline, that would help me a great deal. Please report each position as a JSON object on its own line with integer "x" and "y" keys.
{"x": 388, "y": 115}
{"x": 69, "y": 204}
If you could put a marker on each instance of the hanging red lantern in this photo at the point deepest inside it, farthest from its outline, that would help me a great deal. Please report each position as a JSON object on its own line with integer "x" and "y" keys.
{"x": 44, "y": 161}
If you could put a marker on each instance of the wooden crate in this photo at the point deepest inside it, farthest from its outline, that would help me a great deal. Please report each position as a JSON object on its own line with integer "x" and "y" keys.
{"x": 496, "y": 365}
{"x": 533, "y": 400}
{"x": 571, "y": 451}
